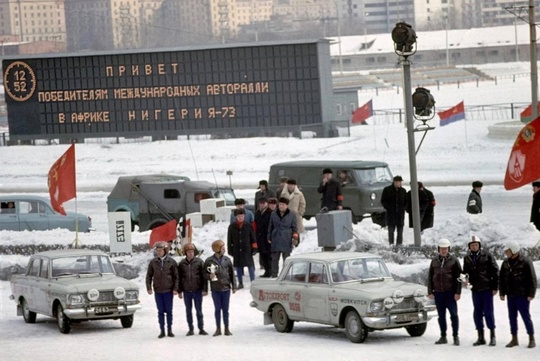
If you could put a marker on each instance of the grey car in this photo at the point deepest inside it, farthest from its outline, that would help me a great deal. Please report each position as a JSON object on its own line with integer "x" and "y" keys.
{"x": 35, "y": 213}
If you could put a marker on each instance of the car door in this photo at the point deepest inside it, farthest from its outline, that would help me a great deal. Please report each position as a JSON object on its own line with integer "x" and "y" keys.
{"x": 42, "y": 286}
{"x": 33, "y": 216}
{"x": 315, "y": 293}
{"x": 294, "y": 282}
{"x": 9, "y": 218}
{"x": 31, "y": 291}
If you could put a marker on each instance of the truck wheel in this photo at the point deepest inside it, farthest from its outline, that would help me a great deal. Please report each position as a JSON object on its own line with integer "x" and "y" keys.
{"x": 282, "y": 322}
{"x": 63, "y": 321}
{"x": 29, "y": 316}
{"x": 416, "y": 330}
{"x": 127, "y": 321}
{"x": 355, "y": 329}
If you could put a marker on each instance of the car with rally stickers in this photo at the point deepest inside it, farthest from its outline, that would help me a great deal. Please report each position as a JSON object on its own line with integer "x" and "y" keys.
{"x": 350, "y": 290}
{"x": 74, "y": 285}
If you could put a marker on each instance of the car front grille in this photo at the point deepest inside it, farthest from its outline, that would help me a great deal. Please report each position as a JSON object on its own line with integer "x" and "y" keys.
{"x": 407, "y": 305}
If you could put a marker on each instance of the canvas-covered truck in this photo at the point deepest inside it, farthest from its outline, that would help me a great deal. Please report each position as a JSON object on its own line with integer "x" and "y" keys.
{"x": 153, "y": 200}
{"x": 361, "y": 195}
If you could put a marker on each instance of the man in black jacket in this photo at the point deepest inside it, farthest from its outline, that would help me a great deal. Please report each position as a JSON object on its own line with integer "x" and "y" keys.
{"x": 332, "y": 197}
{"x": 444, "y": 287}
{"x": 394, "y": 201}
{"x": 474, "y": 203}
{"x": 483, "y": 273}
{"x": 262, "y": 220}
{"x": 517, "y": 280}
{"x": 535, "y": 209}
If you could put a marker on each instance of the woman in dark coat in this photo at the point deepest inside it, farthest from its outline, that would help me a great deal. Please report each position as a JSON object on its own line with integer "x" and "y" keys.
{"x": 242, "y": 245}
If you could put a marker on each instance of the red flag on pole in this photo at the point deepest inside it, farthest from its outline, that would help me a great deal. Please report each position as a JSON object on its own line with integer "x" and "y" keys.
{"x": 61, "y": 180}
{"x": 360, "y": 115}
{"x": 524, "y": 163}
{"x": 457, "y": 112}
{"x": 166, "y": 232}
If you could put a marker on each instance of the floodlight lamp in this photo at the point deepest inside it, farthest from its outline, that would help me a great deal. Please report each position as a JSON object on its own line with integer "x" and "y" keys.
{"x": 423, "y": 102}
{"x": 404, "y": 37}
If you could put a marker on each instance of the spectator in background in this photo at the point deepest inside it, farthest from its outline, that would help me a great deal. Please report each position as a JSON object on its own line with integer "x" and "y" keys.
{"x": 535, "y": 209}
{"x": 429, "y": 215}
{"x": 240, "y": 203}
{"x": 262, "y": 192}
{"x": 394, "y": 199}
{"x": 422, "y": 203}
{"x": 297, "y": 202}
{"x": 242, "y": 246}
{"x": 474, "y": 203}
{"x": 281, "y": 230}
{"x": 262, "y": 220}
{"x": 343, "y": 178}
{"x": 332, "y": 198}
{"x": 282, "y": 186}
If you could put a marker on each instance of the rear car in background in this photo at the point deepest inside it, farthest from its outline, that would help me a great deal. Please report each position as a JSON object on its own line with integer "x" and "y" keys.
{"x": 35, "y": 213}
{"x": 350, "y": 290}
{"x": 73, "y": 286}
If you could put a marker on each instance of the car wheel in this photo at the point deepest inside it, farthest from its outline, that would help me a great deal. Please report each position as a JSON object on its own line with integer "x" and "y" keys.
{"x": 355, "y": 329}
{"x": 282, "y": 323}
{"x": 29, "y": 316}
{"x": 63, "y": 321}
{"x": 127, "y": 321}
{"x": 416, "y": 330}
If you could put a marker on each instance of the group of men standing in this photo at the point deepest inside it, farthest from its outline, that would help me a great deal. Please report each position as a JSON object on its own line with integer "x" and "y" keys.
{"x": 515, "y": 282}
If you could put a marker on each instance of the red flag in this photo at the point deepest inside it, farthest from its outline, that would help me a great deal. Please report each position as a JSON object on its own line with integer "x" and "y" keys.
{"x": 166, "y": 232}
{"x": 360, "y": 115}
{"x": 61, "y": 180}
{"x": 524, "y": 165}
{"x": 526, "y": 114}
{"x": 453, "y": 114}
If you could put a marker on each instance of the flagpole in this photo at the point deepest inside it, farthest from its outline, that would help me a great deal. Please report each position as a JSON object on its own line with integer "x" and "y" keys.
{"x": 466, "y": 138}
{"x": 76, "y": 243}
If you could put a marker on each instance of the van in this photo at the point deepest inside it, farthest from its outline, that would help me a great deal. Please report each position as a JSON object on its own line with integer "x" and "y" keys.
{"x": 361, "y": 194}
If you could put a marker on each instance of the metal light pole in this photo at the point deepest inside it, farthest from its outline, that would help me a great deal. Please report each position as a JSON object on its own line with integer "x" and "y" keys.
{"x": 534, "y": 65}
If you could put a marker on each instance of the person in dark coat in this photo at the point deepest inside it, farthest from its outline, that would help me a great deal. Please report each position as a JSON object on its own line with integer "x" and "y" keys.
{"x": 162, "y": 277}
{"x": 263, "y": 192}
{"x": 193, "y": 287}
{"x": 444, "y": 287}
{"x": 517, "y": 280}
{"x": 483, "y": 273}
{"x": 394, "y": 201}
{"x": 281, "y": 232}
{"x": 429, "y": 215}
{"x": 474, "y": 203}
{"x": 332, "y": 197}
{"x": 262, "y": 220}
{"x": 242, "y": 246}
{"x": 535, "y": 209}
{"x": 422, "y": 203}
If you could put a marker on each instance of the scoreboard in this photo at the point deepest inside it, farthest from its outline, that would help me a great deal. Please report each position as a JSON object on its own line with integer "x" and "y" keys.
{"x": 169, "y": 92}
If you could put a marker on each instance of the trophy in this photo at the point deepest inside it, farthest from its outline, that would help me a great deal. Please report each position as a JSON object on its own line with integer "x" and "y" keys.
{"x": 464, "y": 278}
{"x": 212, "y": 269}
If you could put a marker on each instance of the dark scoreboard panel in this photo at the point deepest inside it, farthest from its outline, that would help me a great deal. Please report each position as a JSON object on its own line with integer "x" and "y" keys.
{"x": 176, "y": 91}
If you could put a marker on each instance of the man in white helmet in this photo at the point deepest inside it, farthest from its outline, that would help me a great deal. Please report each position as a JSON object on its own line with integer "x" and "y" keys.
{"x": 444, "y": 287}
{"x": 517, "y": 280}
{"x": 483, "y": 273}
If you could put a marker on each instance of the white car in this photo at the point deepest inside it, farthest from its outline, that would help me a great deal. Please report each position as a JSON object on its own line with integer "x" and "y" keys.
{"x": 73, "y": 286}
{"x": 350, "y": 290}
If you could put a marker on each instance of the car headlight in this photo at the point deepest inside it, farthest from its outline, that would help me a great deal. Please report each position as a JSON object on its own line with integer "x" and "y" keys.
{"x": 373, "y": 196}
{"x": 75, "y": 300}
{"x": 376, "y": 306}
{"x": 132, "y": 295}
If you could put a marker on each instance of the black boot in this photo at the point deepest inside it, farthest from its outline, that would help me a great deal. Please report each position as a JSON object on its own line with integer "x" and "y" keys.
{"x": 513, "y": 342}
{"x": 532, "y": 343}
{"x": 227, "y": 332}
{"x": 162, "y": 334}
{"x": 481, "y": 340}
{"x": 456, "y": 340}
{"x": 441, "y": 341}
{"x": 218, "y": 332}
{"x": 492, "y": 340}
{"x": 170, "y": 333}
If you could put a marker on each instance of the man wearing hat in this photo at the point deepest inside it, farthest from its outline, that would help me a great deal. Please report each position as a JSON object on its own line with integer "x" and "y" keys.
{"x": 483, "y": 273}
{"x": 535, "y": 210}
{"x": 394, "y": 199}
{"x": 281, "y": 232}
{"x": 297, "y": 202}
{"x": 240, "y": 203}
{"x": 474, "y": 203}
{"x": 262, "y": 220}
{"x": 263, "y": 192}
{"x": 517, "y": 281}
{"x": 332, "y": 198}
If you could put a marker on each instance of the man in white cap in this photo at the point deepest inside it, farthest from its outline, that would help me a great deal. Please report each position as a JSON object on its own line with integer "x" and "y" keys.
{"x": 483, "y": 273}
{"x": 444, "y": 287}
{"x": 517, "y": 280}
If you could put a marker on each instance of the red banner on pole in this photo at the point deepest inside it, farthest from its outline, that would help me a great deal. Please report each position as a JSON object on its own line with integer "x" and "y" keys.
{"x": 360, "y": 115}
{"x": 524, "y": 162}
{"x": 166, "y": 232}
{"x": 61, "y": 180}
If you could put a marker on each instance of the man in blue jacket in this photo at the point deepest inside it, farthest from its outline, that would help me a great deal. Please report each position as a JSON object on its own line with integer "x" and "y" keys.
{"x": 282, "y": 230}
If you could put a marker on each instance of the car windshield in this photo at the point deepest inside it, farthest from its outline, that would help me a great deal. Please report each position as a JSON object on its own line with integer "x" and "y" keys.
{"x": 77, "y": 265}
{"x": 358, "y": 269}
{"x": 373, "y": 175}
{"x": 226, "y": 194}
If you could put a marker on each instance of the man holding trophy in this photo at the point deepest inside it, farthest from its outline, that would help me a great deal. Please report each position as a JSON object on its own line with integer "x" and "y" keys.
{"x": 220, "y": 272}
{"x": 483, "y": 278}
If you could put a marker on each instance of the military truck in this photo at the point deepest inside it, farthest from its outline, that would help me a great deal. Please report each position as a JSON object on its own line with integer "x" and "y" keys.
{"x": 153, "y": 200}
{"x": 361, "y": 194}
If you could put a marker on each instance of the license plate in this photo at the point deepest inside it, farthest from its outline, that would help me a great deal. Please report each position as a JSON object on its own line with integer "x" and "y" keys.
{"x": 407, "y": 317}
{"x": 101, "y": 310}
